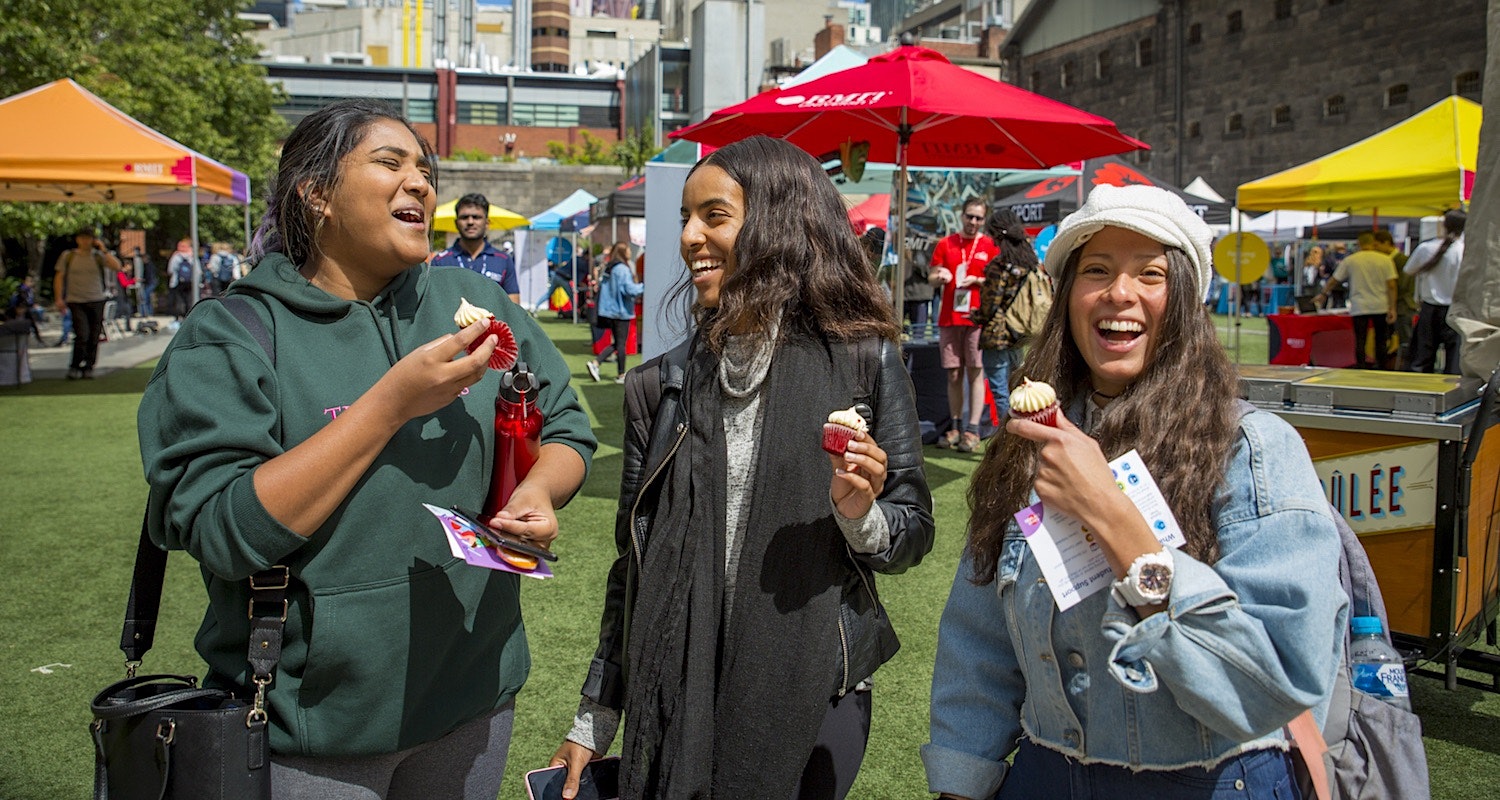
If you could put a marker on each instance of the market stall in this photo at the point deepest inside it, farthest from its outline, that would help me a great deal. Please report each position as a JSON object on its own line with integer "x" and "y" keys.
{"x": 1413, "y": 463}
{"x": 61, "y": 143}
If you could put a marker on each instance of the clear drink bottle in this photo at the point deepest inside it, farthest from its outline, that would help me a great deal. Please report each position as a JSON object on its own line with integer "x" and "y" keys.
{"x": 1375, "y": 667}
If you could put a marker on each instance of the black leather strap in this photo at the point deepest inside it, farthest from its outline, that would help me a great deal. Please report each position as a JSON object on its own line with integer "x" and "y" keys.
{"x": 144, "y": 603}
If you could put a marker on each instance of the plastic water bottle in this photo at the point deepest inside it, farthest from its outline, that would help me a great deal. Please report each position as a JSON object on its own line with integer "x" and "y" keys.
{"x": 1375, "y": 666}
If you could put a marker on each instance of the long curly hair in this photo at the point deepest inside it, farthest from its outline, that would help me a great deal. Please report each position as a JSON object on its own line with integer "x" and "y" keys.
{"x": 797, "y": 257}
{"x": 1186, "y": 451}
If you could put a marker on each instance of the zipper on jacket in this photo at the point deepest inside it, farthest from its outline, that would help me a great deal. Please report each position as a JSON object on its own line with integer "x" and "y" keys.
{"x": 635, "y": 540}
{"x": 844, "y": 645}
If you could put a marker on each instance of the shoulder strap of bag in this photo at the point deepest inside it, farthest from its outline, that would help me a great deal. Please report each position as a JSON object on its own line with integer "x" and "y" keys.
{"x": 268, "y": 602}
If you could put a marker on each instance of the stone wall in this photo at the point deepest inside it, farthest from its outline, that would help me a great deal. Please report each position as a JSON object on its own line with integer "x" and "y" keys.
{"x": 524, "y": 187}
{"x": 1321, "y": 50}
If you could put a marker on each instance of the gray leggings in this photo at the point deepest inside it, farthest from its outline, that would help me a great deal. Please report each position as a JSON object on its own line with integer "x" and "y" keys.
{"x": 467, "y": 763}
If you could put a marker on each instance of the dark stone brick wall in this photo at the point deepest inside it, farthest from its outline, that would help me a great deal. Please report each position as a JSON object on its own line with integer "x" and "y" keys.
{"x": 1358, "y": 49}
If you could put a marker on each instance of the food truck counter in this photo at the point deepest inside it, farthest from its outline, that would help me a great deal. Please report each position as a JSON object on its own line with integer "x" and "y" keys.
{"x": 1406, "y": 459}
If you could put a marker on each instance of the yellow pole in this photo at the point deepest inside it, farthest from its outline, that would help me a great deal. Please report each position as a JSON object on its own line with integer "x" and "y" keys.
{"x": 405, "y": 33}
{"x": 418, "y": 41}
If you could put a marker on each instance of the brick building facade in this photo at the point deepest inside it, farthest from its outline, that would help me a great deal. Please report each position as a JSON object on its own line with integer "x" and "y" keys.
{"x": 1237, "y": 90}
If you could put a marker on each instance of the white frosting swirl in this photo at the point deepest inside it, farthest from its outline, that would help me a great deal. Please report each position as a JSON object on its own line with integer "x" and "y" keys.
{"x": 849, "y": 418}
{"x": 1029, "y": 397}
{"x": 468, "y": 314}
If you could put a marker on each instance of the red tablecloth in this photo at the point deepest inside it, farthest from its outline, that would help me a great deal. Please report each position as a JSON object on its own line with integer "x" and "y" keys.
{"x": 1291, "y": 338}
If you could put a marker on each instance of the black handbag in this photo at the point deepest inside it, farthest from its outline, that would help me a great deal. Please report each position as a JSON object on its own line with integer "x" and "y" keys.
{"x": 163, "y": 736}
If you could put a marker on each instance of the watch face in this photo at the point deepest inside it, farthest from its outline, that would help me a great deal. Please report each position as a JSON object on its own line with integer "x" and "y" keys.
{"x": 1155, "y": 579}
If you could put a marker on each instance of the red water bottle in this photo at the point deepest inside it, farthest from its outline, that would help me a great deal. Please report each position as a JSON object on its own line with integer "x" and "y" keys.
{"x": 518, "y": 435}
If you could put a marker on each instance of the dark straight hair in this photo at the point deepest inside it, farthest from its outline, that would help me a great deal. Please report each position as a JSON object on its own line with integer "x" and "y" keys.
{"x": 310, "y": 161}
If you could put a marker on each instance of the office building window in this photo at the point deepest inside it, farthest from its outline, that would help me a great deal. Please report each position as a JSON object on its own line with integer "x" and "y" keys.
{"x": 1235, "y": 22}
{"x": 1194, "y": 129}
{"x": 1281, "y": 117}
{"x": 1067, "y": 74}
{"x": 1195, "y": 33}
{"x": 1395, "y": 95}
{"x": 546, "y": 116}
{"x": 1234, "y": 124}
{"x": 1466, "y": 83}
{"x": 474, "y": 113}
{"x": 1145, "y": 54}
{"x": 1101, "y": 66}
{"x": 1333, "y": 106}
{"x": 1283, "y": 9}
{"x": 1035, "y": 83}
{"x": 421, "y": 110}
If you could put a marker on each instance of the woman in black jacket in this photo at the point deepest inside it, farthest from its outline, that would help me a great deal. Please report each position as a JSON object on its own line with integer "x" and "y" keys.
{"x": 742, "y": 607}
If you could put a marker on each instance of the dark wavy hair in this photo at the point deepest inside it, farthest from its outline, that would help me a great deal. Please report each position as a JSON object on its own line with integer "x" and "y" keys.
{"x": 796, "y": 255}
{"x": 1009, "y": 234}
{"x": 310, "y": 161}
{"x": 1186, "y": 451}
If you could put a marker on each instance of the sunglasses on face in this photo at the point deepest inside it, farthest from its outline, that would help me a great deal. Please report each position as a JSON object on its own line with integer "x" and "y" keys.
{"x": 974, "y": 217}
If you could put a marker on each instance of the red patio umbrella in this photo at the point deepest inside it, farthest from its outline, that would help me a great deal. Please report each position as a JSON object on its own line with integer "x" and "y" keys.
{"x": 918, "y": 110}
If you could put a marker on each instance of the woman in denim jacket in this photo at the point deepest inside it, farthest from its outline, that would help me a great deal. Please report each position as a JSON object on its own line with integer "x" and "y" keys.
{"x": 1175, "y": 682}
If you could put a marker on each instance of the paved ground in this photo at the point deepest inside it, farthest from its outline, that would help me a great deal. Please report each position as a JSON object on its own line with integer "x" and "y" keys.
{"x": 125, "y": 349}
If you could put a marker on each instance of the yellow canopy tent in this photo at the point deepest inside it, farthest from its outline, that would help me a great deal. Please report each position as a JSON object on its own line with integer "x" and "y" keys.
{"x": 446, "y": 218}
{"x": 60, "y": 143}
{"x": 1420, "y": 167}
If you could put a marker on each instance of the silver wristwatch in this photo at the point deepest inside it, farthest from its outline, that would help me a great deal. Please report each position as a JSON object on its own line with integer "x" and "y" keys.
{"x": 1148, "y": 581}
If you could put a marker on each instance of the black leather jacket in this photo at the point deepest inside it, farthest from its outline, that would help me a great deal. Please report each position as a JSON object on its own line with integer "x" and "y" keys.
{"x": 867, "y": 638}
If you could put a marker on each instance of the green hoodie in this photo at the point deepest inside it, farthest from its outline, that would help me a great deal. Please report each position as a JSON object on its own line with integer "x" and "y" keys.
{"x": 390, "y": 641}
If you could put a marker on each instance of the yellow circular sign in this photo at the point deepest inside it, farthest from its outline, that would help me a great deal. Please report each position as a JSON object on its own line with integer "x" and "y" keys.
{"x": 1246, "y": 250}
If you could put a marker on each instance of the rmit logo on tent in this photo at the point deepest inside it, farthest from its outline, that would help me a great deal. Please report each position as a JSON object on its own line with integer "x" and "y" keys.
{"x": 959, "y": 149}
{"x": 831, "y": 100}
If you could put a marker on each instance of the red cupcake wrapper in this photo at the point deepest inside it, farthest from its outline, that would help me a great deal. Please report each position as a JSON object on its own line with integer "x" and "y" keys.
{"x": 1047, "y": 416}
{"x": 506, "y": 350}
{"x": 836, "y": 438}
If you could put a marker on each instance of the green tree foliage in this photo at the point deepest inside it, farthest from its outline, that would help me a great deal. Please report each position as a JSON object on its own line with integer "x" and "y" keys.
{"x": 184, "y": 67}
{"x": 591, "y": 150}
{"x": 636, "y": 149}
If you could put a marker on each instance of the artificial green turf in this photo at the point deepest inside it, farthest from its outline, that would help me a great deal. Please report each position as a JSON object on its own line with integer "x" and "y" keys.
{"x": 72, "y": 493}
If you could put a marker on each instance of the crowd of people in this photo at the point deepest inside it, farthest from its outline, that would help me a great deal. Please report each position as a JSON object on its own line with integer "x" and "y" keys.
{"x": 741, "y": 622}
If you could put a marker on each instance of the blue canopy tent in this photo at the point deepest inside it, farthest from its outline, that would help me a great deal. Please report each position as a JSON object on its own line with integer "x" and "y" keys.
{"x": 551, "y": 219}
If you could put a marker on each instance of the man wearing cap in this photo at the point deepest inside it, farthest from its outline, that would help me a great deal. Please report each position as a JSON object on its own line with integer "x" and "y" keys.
{"x": 1372, "y": 299}
{"x": 81, "y": 285}
{"x": 473, "y": 250}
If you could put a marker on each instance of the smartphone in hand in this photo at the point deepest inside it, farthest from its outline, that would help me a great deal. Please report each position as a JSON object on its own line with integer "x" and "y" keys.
{"x": 600, "y": 780}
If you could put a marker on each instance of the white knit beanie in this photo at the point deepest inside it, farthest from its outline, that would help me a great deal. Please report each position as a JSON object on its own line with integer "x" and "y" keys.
{"x": 1154, "y": 213}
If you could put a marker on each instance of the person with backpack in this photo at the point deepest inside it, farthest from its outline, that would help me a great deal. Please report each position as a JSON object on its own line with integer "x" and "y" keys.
{"x": 180, "y": 279}
{"x": 741, "y": 621}
{"x": 1174, "y": 678}
{"x": 82, "y": 285}
{"x": 1014, "y": 270}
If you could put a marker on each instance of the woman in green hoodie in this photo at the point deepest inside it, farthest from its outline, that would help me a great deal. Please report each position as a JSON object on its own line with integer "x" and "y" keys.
{"x": 399, "y": 662}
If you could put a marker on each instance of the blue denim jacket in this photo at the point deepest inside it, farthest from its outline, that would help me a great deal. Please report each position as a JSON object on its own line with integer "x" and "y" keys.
{"x": 1244, "y": 646}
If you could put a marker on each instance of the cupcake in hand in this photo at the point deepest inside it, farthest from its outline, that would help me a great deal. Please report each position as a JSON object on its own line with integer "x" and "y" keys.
{"x": 506, "y": 350}
{"x": 841, "y": 428}
{"x": 1034, "y": 402}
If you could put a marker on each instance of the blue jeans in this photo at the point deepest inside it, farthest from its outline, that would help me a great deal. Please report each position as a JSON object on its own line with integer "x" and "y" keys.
{"x": 1256, "y": 775}
{"x": 998, "y": 365}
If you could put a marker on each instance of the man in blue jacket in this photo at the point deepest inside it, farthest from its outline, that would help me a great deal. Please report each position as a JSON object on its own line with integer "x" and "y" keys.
{"x": 473, "y": 251}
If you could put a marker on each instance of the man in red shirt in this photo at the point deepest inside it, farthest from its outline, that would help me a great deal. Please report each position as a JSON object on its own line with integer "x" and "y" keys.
{"x": 958, "y": 263}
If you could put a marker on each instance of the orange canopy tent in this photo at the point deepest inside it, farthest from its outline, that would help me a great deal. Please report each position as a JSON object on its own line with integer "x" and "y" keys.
{"x": 61, "y": 143}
